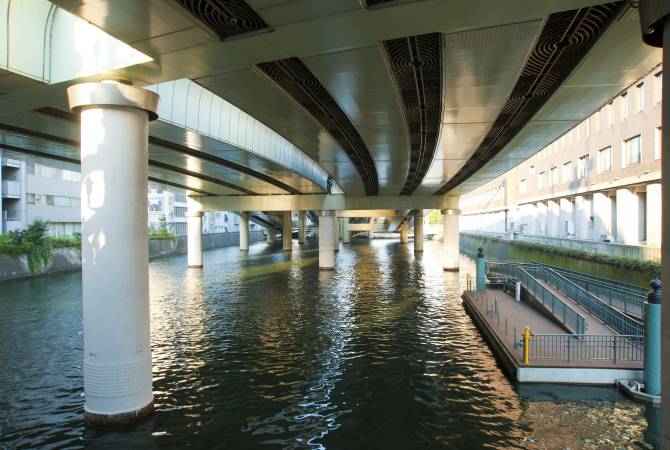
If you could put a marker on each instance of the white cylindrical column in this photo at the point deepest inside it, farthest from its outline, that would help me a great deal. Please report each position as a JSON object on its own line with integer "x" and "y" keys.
{"x": 244, "y": 232}
{"x": 194, "y": 239}
{"x": 371, "y": 234}
{"x": 287, "y": 230}
{"x": 327, "y": 222}
{"x": 269, "y": 235}
{"x": 403, "y": 234}
{"x": 451, "y": 239}
{"x": 418, "y": 231}
{"x": 302, "y": 226}
{"x": 627, "y": 231}
{"x": 336, "y": 234}
{"x": 115, "y": 254}
{"x": 346, "y": 234}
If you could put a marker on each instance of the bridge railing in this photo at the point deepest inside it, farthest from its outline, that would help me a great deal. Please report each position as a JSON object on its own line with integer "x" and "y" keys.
{"x": 584, "y": 347}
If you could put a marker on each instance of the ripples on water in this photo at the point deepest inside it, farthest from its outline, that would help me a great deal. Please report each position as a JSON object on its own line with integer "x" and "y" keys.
{"x": 266, "y": 350}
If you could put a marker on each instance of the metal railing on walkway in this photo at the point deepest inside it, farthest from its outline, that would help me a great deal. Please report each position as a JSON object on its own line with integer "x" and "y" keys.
{"x": 552, "y": 303}
{"x": 584, "y": 347}
{"x": 609, "y": 315}
{"x": 616, "y": 318}
{"x": 625, "y": 297}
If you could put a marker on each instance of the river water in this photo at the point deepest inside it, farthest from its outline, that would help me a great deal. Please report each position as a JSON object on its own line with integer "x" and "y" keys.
{"x": 265, "y": 351}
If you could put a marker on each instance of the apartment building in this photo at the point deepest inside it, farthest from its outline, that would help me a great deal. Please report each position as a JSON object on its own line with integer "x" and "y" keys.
{"x": 601, "y": 181}
{"x": 34, "y": 191}
{"x": 168, "y": 204}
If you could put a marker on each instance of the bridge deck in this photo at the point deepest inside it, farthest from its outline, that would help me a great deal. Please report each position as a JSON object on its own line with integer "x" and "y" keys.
{"x": 512, "y": 317}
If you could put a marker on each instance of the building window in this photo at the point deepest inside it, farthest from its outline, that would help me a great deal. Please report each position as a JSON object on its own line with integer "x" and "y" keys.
{"x": 554, "y": 176}
{"x": 631, "y": 151}
{"x": 30, "y": 199}
{"x": 567, "y": 172}
{"x": 639, "y": 90}
{"x": 605, "y": 160}
{"x": 587, "y": 128}
{"x": 531, "y": 169}
{"x": 540, "y": 180}
{"x": 658, "y": 142}
{"x": 658, "y": 87}
{"x": 50, "y": 200}
{"x": 583, "y": 167}
{"x": 608, "y": 115}
{"x": 624, "y": 106}
{"x": 155, "y": 206}
{"x": 523, "y": 188}
{"x": 596, "y": 122}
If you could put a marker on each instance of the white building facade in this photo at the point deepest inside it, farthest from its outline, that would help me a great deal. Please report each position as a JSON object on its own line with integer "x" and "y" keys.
{"x": 601, "y": 181}
{"x": 33, "y": 191}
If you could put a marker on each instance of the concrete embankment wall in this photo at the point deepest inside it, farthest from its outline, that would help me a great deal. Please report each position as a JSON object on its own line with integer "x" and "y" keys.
{"x": 68, "y": 259}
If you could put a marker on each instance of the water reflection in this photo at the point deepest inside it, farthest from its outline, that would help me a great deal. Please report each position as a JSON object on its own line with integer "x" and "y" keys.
{"x": 265, "y": 349}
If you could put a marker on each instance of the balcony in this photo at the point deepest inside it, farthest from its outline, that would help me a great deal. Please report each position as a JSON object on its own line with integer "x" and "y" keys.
{"x": 11, "y": 189}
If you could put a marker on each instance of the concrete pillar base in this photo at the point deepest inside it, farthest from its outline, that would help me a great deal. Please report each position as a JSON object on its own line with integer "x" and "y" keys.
{"x": 195, "y": 266}
{"x": 451, "y": 269}
{"x": 326, "y": 268}
{"x": 126, "y": 418}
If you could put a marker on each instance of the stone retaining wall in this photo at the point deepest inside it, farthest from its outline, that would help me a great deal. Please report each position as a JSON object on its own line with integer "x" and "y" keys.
{"x": 66, "y": 259}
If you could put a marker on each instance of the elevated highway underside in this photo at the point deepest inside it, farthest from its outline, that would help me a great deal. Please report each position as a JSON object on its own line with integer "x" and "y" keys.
{"x": 337, "y": 109}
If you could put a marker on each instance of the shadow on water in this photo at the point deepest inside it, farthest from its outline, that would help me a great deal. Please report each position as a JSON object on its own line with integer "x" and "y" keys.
{"x": 263, "y": 349}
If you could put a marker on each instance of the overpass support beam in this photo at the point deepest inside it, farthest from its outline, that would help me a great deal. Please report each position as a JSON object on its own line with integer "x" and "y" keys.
{"x": 287, "y": 231}
{"x": 115, "y": 260}
{"x": 418, "y": 231}
{"x": 327, "y": 221}
{"x": 302, "y": 226}
{"x": 346, "y": 234}
{"x": 244, "y": 232}
{"x": 451, "y": 239}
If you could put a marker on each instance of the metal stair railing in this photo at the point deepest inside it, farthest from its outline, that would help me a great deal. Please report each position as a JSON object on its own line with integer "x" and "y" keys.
{"x": 551, "y": 302}
{"x": 611, "y": 316}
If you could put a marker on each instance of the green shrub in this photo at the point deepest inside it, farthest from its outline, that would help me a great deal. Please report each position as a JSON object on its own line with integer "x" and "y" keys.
{"x": 623, "y": 262}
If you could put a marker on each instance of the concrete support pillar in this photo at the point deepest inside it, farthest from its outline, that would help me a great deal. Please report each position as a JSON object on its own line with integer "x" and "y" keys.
{"x": 627, "y": 231}
{"x": 114, "y": 249}
{"x": 404, "y": 234}
{"x": 582, "y": 217}
{"x": 336, "y": 234}
{"x": 553, "y": 218}
{"x": 451, "y": 239}
{"x": 371, "y": 234}
{"x": 302, "y": 226}
{"x": 418, "y": 231}
{"x": 567, "y": 221}
{"x": 327, "y": 222}
{"x": 269, "y": 238}
{"x": 346, "y": 234}
{"x": 194, "y": 239}
{"x": 654, "y": 214}
{"x": 244, "y": 232}
{"x": 541, "y": 218}
{"x": 287, "y": 231}
{"x": 602, "y": 216}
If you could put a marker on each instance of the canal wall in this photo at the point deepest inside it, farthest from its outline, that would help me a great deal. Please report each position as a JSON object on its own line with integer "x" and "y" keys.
{"x": 496, "y": 249}
{"x": 69, "y": 259}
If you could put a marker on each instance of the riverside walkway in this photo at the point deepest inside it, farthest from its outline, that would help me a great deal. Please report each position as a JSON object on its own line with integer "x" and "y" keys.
{"x": 569, "y": 343}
